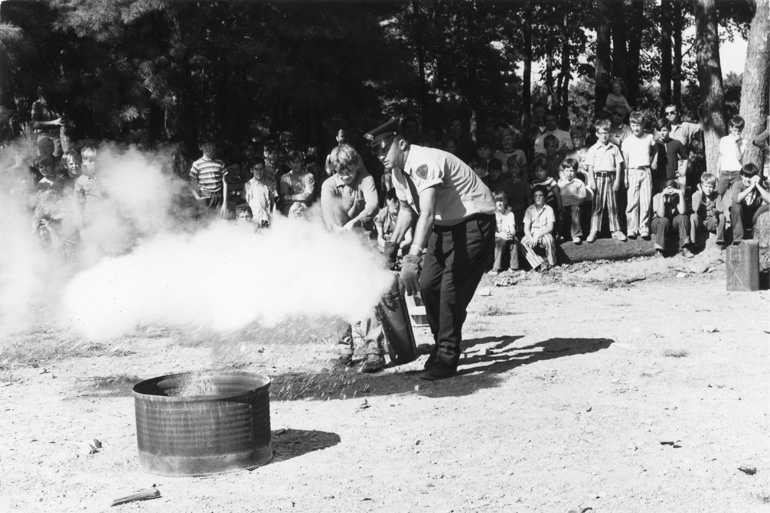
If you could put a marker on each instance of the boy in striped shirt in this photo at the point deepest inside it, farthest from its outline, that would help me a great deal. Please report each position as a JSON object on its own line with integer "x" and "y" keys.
{"x": 206, "y": 176}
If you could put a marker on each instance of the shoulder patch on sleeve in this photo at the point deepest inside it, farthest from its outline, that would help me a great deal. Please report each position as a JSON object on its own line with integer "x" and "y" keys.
{"x": 422, "y": 172}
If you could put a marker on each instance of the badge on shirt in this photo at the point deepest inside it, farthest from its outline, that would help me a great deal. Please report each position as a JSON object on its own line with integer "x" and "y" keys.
{"x": 422, "y": 172}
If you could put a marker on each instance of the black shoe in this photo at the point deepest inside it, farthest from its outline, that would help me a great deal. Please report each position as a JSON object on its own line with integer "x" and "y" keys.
{"x": 344, "y": 362}
{"x": 438, "y": 370}
{"x": 373, "y": 363}
{"x": 432, "y": 355}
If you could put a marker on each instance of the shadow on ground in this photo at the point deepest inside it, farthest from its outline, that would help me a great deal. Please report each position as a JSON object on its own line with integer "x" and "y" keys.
{"x": 290, "y": 443}
{"x": 483, "y": 364}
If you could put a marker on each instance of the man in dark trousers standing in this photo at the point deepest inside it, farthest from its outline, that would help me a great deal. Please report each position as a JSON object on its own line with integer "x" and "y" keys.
{"x": 454, "y": 238}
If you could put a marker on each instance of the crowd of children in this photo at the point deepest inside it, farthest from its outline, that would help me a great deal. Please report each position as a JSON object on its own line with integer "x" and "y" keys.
{"x": 551, "y": 185}
{"x": 641, "y": 183}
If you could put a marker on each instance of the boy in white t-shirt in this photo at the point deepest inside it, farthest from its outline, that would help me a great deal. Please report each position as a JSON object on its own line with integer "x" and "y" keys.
{"x": 639, "y": 152}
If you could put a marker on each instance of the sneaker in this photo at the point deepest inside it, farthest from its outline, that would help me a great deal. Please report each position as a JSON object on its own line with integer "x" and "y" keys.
{"x": 591, "y": 237}
{"x": 632, "y": 235}
{"x": 646, "y": 236}
{"x": 686, "y": 253}
{"x": 619, "y": 235}
{"x": 576, "y": 241}
{"x": 373, "y": 363}
{"x": 439, "y": 370}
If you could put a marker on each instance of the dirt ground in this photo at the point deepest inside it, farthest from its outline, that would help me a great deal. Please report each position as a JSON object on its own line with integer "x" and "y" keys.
{"x": 603, "y": 387}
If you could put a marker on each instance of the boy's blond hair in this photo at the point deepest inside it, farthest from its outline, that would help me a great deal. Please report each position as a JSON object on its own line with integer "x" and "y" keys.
{"x": 708, "y": 178}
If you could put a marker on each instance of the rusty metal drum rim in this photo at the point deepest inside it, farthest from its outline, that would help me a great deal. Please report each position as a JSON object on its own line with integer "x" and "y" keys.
{"x": 260, "y": 380}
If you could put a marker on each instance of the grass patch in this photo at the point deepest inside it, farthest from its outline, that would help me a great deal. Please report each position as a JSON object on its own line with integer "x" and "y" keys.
{"x": 44, "y": 345}
{"x": 119, "y": 385}
{"x": 492, "y": 311}
{"x": 676, "y": 353}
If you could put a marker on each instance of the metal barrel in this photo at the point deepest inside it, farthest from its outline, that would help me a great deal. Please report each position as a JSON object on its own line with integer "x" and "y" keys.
{"x": 397, "y": 325}
{"x": 742, "y": 261}
{"x": 194, "y": 424}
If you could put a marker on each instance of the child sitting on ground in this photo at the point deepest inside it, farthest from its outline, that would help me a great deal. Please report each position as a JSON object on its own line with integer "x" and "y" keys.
{"x": 553, "y": 199}
{"x": 539, "y": 223}
{"x": 751, "y": 199}
{"x": 670, "y": 209}
{"x": 707, "y": 210}
{"x": 505, "y": 234}
{"x": 573, "y": 195}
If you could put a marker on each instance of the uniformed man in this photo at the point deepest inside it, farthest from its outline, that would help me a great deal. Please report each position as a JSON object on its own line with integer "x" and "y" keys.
{"x": 454, "y": 238}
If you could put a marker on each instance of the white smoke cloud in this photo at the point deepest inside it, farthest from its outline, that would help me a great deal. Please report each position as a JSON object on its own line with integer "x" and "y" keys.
{"x": 142, "y": 261}
{"x": 226, "y": 277}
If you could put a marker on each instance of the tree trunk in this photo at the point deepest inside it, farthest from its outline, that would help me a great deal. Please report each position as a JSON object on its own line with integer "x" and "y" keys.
{"x": 712, "y": 105}
{"x": 565, "y": 73}
{"x": 602, "y": 73}
{"x": 665, "y": 53}
{"x": 420, "y": 50}
{"x": 619, "y": 50}
{"x": 635, "y": 12}
{"x": 677, "y": 12}
{"x": 526, "y": 88}
{"x": 754, "y": 91}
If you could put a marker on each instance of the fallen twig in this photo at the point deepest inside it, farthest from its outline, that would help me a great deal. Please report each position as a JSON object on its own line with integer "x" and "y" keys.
{"x": 142, "y": 495}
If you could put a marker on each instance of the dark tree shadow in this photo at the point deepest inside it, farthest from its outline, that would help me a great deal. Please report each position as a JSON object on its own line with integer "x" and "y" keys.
{"x": 485, "y": 361}
{"x": 290, "y": 443}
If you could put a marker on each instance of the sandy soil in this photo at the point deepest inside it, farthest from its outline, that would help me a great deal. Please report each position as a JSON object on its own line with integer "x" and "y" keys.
{"x": 632, "y": 386}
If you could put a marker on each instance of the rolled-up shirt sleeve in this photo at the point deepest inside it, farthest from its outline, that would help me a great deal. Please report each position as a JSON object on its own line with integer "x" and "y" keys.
{"x": 371, "y": 199}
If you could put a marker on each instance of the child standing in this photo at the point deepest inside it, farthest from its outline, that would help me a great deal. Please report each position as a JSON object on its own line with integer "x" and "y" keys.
{"x": 206, "y": 176}
{"x": 573, "y": 195}
{"x": 297, "y": 185}
{"x": 88, "y": 191}
{"x": 604, "y": 163}
{"x": 639, "y": 154}
{"x": 707, "y": 210}
{"x": 260, "y": 195}
{"x": 505, "y": 234}
{"x": 731, "y": 149}
{"x": 520, "y": 193}
{"x": 672, "y": 157}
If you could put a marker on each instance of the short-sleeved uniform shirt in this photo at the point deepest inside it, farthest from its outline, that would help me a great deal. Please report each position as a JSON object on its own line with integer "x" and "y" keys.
{"x": 639, "y": 150}
{"x": 460, "y": 193}
{"x": 603, "y": 157}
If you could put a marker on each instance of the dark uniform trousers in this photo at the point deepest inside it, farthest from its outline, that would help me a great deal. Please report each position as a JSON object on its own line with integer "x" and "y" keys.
{"x": 453, "y": 265}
